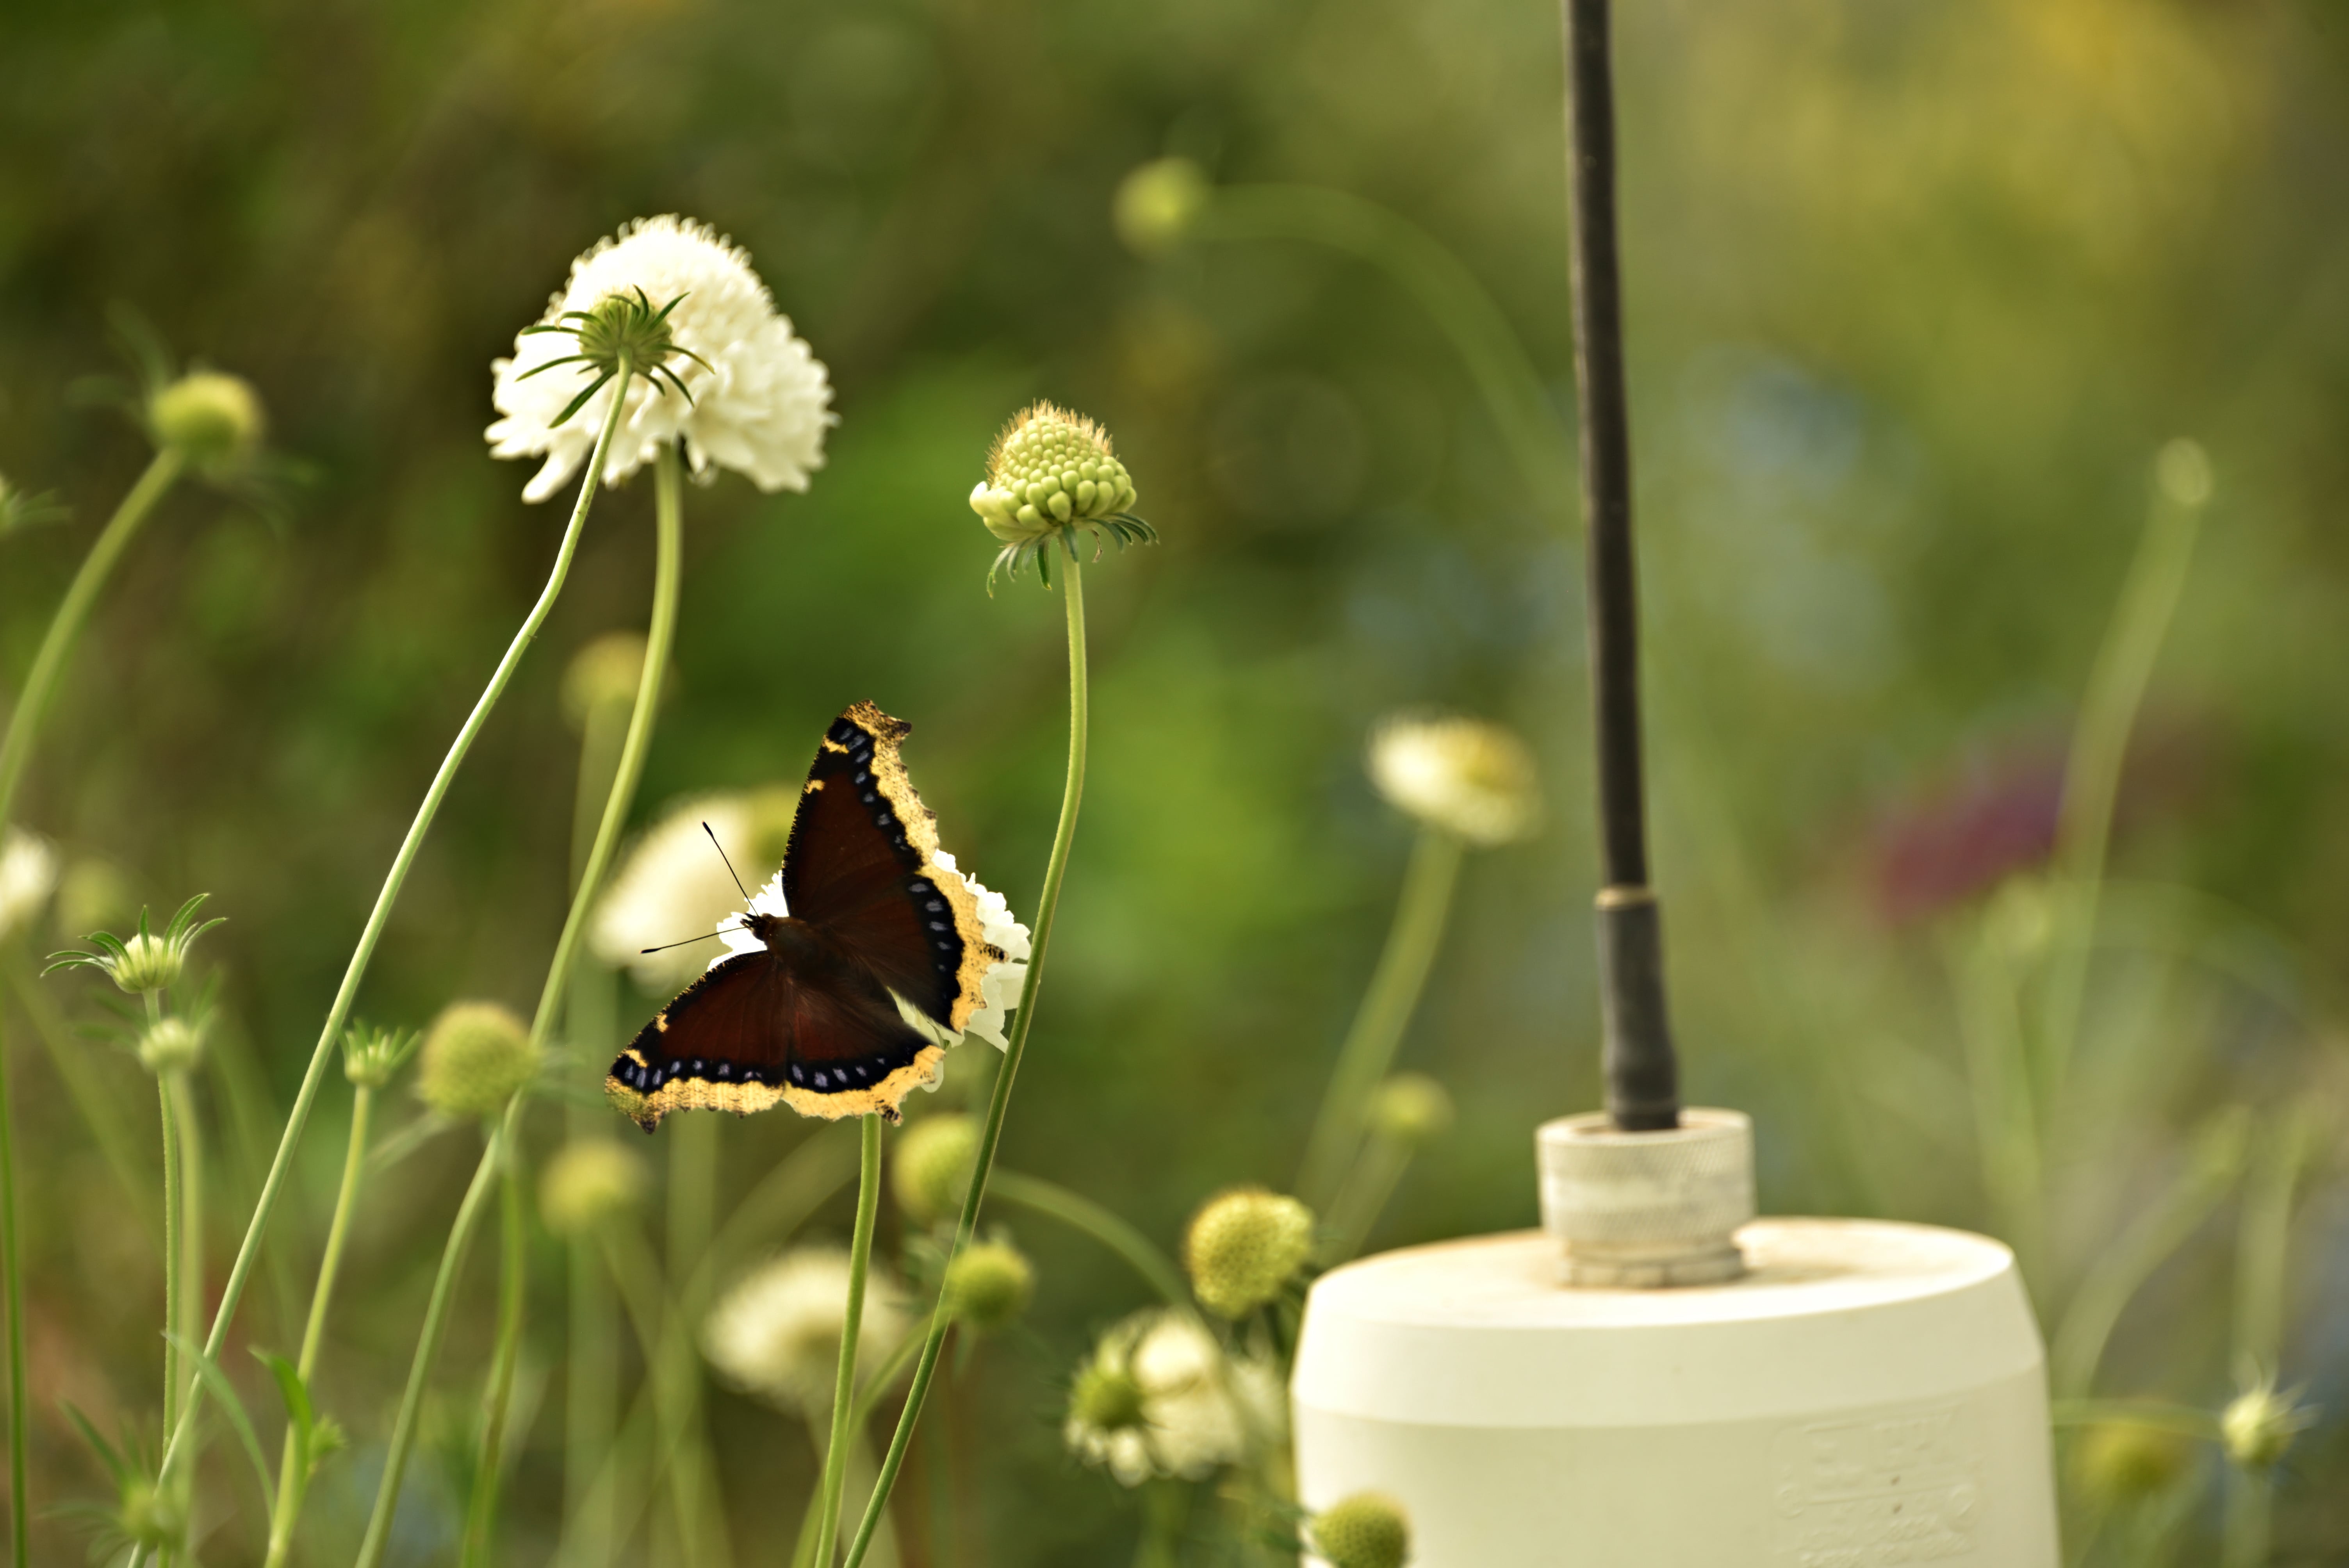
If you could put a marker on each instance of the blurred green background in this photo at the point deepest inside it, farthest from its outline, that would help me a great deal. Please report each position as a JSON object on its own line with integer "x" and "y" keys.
{"x": 1916, "y": 292}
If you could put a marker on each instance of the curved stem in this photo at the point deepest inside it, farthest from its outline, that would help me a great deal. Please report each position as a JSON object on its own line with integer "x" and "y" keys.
{"x": 293, "y": 1477}
{"x": 12, "y": 1284}
{"x": 852, "y": 1323}
{"x": 40, "y": 681}
{"x": 1421, "y": 911}
{"x": 428, "y": 1344}
{"x": 669, "y": 559}
{"x": 233, "y": 1291}
{"x": 1079, "y": 1213}
{"x": 1047, "y": 903}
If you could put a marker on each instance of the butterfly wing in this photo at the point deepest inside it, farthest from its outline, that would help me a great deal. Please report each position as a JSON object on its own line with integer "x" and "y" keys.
{"x": 862, "y": 865}
{"x": 751, "y": 1033}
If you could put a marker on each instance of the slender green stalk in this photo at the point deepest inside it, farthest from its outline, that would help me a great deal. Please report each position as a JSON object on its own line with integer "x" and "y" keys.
{"x": 73, "y": 610}
{"x": 2264, "y": 1251}
{"x": 100, "y": 1110}
{"x": 11, "y": 1286}
{"x": 427, "y": 1341}
{"x": 852, "y": 1323}
{"x": 1081, "y": 1213}
{"x": 1163, "y": 1505}
{"x": 998, "y": 1102}
{"x": 1446, "y": 290}
{"x": 171, "y": 1250}
{"x": 1368, "y": 1050}
{"x": 668, "y": 568}
{"x": 191, "y": 1220}
{"x": 293, "y": 1473}
{"x": 2005, "y": 1109}
{"x": 2117, "y": 686}
{"x": 2247, "y": 1525}
{"x": 339, "y": 1014}
{"x": 1363, "y": 1196}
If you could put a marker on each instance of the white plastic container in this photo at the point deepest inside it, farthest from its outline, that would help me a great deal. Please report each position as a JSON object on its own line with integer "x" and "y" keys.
{"x": 1866, "y": 1394}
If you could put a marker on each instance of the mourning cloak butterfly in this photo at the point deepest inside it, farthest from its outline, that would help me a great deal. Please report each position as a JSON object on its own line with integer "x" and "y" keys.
{"x": 842, "y": 1009}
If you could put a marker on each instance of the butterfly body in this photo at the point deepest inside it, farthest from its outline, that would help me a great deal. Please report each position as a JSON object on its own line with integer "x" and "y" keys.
{"x": 843, "y": 1005}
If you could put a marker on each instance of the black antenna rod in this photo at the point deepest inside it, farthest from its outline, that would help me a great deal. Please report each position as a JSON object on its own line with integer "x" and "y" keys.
{"x": 1642, "y": 1077}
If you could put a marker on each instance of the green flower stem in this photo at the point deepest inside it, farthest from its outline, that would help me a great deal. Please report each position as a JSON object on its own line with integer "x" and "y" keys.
{"x": 2247, "y": 1526}
{"x": 101, "y": 1111}
{"x": 293, "y": 1472}
{"x": 2263, "y": 1251}
{"x": 1081, "y": 1213}
{"x": 2117, "y": 685}
{"x": 852, "y": 1323}
{"x": 1445, "y": 289}
{"x": 233, "y": 1291}
{"x": 1164, "y": 1504}
{"x": 12, "y": 1287}
{"x": 427, "y": 1341}
{"x": 73, "y": 610}
{"x": 668, "y": 568}
{"x": 189, "y": 1321}
{"x": 171, "y": 1250}
{"x": 1421, "y": 912}
{"x": 1047, "y": 903}
{"x": 2154, "y": 1416}
{"x": 1363, "y": 1196}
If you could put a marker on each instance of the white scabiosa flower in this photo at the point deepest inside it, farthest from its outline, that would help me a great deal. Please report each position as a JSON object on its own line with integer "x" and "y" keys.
{"x": 737, "y": 387}
{"x": 673, "y": 885}
{"x": 28, "y": 874}
{"x": 1159, "y": 1397}
{"x": 1460, "y": 776}
{"x": 777, "y": 1332}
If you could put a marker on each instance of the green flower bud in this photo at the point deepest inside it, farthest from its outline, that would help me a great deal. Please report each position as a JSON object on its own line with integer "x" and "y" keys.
{"x": 172, "y": 1044}
{"x": 2122, "y": 1461}
{"x": 602, "y": 675}
{"x": 1368, "y": 1530}
{"x": 1108, "y": 1397}
{"x": 477, "y": 1056}
{"x": 154, "y": 1518}
{"x": 145, "y": 962}
{"x": 592, "y": 1181}
{"x": 988, "y": 1286}
{"x": 327, "y": 1439}
{"x": 1049, "y": 467}
{"x": 213, "y": 419}
{"x": 372, "y": 1056}
{"x": 1410, "y": 1109}
{"x": 2259, "y": 1425}
{"x": 1243, "y": 1248}
{"x": 932, "y": 1167}
{"x": 1158, "y": 204}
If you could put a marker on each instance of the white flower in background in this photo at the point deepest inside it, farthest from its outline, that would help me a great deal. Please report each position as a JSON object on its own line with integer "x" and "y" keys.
{"x": 738, "y": 387}
{"x": 1461, "y": 776}
{"x": 673, "y": 885}
{"x": 777, "y": 1332}
{"x": 28, "y": 873}
{"x": 1159, "y": 1397}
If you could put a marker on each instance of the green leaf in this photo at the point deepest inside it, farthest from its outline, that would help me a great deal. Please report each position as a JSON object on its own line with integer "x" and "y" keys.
{"x": 241, "y": 1424}
{"x": 296, "y": 1394}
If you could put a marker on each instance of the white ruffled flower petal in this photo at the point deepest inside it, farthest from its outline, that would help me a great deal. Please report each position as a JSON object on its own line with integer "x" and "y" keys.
{"x": 1000, "y": 990}
{"x": 671, "y": 887}
{"x": 776, "y": 1334}
{"x": 760, "y": 405}
{"x": 1464, "y": 776}
{"x": 28, "y": 874}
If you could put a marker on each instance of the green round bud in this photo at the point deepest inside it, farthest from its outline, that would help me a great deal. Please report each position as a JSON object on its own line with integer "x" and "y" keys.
{"x": 1243, "y": 1248}
{"x": 152, "y": 1517}
{"x": 1048, "y": 468}
{"x": 602, "y": 675}
{"x": 988, "y": 1286}
{"x": 1107, "y": 1397}
{"x": 148, "y": 963}
{"x": 1158, "y": 204}
{"x": 590, "y": 1181}
{"x": 2258, "y": 1427}
{"x": 1368, "y": 1530}
{"x": 931, "y": 1168}
{"x": 213, "y": 419}
{"x": 1410, "y": 1109}
{"x": 170, "y": 1045}
{"x": 2121, "y": 1461}
{"x": 477, "y": 1056}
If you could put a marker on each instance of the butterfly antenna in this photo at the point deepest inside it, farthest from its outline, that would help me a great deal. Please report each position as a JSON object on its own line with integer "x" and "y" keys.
{"x": 730, "y": 864}
{"x": 686, "y": 943}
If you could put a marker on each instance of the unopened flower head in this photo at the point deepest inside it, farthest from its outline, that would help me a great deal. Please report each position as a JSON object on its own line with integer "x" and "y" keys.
{"x": 603, "y": 677}
{"x": 28, "y": 873}
{"x": 212, "y": 418}
{"x": 1243, "y": 1248}
{"x": 1158, "y": 1396}
{"x": 147, "y": 961}
{"x": 1411, "y": 1110}
{"x": 1050, "y": 475}
{"x": 172, "y": 1044}
{"x": 673, "y": 884}
{"x": 1159, "y": 203}
{"x": 776, "y": 1334}
{"x": 19, "y": 509}
{"x": 477, "y": 1058}
{"x": 1368, "y": 1530}
{"x": 931, "y": 1168}
{"x": 1461, "y": 776}
{"x": 591, "y": 1181}
{"x": 735, "y": 387}
{"x": 2260, "y": 1424}
{"x": 988, "y": 1286}
{"x": 372, "y": 1057}
{"x": 2121, "y": 1461}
